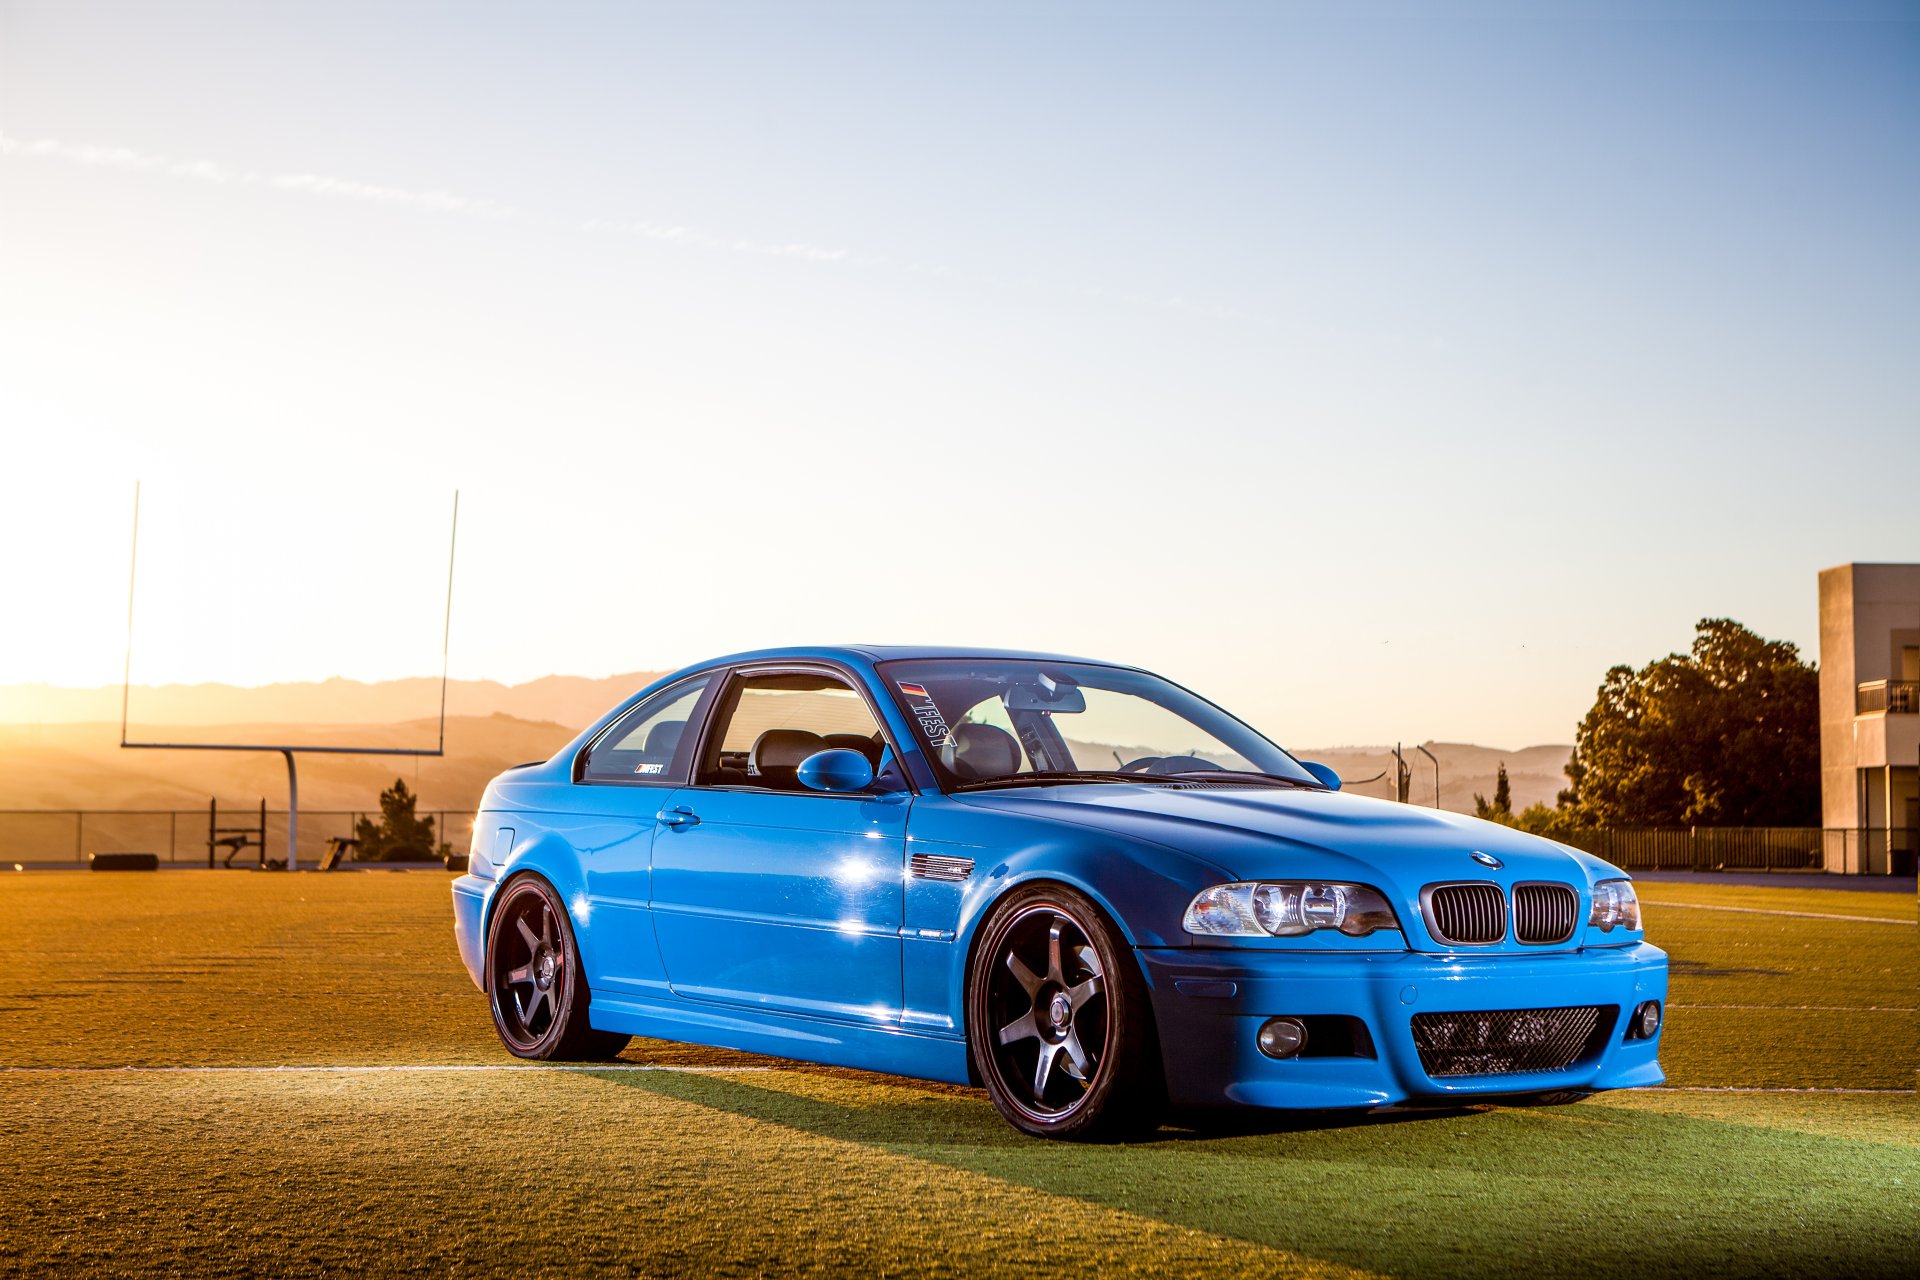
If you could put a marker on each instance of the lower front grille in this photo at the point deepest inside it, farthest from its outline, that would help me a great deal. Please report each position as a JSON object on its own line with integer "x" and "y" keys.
{"x": 1506, "y": 1041}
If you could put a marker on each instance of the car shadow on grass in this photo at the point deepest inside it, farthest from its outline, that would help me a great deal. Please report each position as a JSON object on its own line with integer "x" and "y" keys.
{"x": 1679, "y": 967}
{"x": 921, "y": 1110}
{"x": 1569, "y": 1191}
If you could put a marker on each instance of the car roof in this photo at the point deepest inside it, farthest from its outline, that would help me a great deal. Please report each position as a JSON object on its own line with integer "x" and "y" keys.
{"x": 895, "y": 652}
{"x": 853, "y": 655}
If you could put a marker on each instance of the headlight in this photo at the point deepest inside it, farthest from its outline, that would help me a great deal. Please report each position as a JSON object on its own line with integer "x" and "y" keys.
{"x": 1287, "y": 909}
{"x": 1615, "y": 905}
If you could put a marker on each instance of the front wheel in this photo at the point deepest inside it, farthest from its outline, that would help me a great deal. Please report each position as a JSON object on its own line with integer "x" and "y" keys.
{"x": 534, "y": 982}
{"x": 1058, "y": 1021}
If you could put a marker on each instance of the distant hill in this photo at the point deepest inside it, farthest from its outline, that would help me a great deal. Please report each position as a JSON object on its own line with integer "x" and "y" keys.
{"x": 1536, "y": 774}
{"x": 59, "y": 748}
{"x": 81, "y": 766}
{"x": 570, "y": 700}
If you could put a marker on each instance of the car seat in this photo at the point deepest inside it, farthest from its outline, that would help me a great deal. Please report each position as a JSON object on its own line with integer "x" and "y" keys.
{"x": 776, "y": 756}
{"x": 978, "y": 751}
{"x": 662, "y": 740}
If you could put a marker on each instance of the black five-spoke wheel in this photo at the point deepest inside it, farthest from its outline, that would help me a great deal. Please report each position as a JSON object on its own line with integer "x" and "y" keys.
{"x": 534, "y": 983}
{"x": 1055, "y": 1042}
{"x": 1058, "y": 1020}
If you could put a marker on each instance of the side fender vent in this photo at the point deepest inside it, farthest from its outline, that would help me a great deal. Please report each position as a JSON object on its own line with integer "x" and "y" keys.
{"x": 938, "y": 866}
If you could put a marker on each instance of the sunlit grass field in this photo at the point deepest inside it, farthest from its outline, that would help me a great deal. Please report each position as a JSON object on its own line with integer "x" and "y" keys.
{"x": 720, "y": 1163}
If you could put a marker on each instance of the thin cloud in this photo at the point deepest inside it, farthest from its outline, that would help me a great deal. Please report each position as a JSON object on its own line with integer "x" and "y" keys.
{"x": 208, "y": 171}
{"x": 117, "y": 158}
{"x": 705, "y": 240}
{"x": 439, "y": 201}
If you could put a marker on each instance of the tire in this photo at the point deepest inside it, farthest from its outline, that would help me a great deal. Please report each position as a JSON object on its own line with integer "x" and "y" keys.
{"x": 1059, "y": 1023}
{"x": 535, "y": 986}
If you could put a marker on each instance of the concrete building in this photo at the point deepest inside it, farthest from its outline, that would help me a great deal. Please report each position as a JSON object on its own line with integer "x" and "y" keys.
{"x": 1870, "y": 717}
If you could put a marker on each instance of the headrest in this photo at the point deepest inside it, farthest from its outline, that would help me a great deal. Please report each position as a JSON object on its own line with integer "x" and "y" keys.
{"x": 664, "y": 737}
{"x": 866, "y": 746}
{"x": 978, "y": 751}
{"x": 783, "y": 749}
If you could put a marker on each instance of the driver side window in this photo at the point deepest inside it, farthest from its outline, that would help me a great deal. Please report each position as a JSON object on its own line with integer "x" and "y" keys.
{"x": 769, "y": 723}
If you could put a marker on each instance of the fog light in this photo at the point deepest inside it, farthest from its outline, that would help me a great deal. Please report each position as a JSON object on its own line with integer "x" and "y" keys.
{"x": 1646, "y": 1020}
{"x": 1282, "y": 1037}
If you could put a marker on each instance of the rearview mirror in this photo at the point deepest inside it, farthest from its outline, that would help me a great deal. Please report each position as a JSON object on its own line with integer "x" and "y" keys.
{"x": 836, "y": 769}
{"x": 1320, "y": 771}
{"x": 1065, "y": 699}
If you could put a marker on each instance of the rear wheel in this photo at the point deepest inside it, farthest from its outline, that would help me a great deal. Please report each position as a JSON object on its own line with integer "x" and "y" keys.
{"x": 534, "y": 982}
{"x": 1058, "y": 1021}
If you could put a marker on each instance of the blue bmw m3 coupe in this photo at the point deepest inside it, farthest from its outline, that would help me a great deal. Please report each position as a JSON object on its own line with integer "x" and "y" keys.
{"x": 1074, "y": 883}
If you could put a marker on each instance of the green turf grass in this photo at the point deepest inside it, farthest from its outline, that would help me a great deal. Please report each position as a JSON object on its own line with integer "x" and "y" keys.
{"x": 1484, "y": 1191}
{"x": 548, "y": 1175}
{"x": 804, "y": 1170}
{"x": 1786, "y": 1000}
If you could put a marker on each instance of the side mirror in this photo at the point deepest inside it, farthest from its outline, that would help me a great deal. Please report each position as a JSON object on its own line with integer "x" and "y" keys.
{"x": 1320, "y": 771}
{"x": 835, "y": 769}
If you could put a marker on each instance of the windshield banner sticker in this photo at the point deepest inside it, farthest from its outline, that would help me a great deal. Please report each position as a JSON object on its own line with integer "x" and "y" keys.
{"x": 921, "y": 703}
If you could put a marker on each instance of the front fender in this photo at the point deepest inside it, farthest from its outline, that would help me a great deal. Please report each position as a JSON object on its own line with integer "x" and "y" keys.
{"x": 1143, "y": 888}
{"x": 1143, "y": 898}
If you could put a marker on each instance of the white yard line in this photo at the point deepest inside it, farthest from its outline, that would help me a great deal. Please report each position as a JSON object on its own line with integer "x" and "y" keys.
{"x": 1724, "y": 1088}
{"x": 1806, "y": 1008}
{"x": 501, "y": 1066}
{"x": 1767, "y": 911}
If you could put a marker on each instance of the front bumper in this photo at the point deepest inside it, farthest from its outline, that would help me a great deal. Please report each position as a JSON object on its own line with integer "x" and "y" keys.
{"x": 1209, "y": 1005}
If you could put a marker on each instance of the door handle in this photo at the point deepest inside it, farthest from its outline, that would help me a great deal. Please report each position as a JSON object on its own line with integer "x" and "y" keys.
{"x": 678, "y": 816}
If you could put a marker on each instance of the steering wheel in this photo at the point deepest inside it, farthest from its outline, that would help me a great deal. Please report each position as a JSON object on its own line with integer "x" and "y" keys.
{"x": 1159, "y": 765}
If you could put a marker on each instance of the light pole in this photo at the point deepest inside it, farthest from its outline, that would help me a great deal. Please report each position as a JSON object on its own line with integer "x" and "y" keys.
{"x": 1436, "y": 772}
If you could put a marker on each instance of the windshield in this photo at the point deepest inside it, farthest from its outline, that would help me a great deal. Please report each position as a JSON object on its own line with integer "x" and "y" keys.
{"x": 1005, "y": 721}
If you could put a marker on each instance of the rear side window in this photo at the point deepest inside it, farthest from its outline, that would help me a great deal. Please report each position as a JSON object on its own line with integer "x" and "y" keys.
{"x": 652, "y": 742}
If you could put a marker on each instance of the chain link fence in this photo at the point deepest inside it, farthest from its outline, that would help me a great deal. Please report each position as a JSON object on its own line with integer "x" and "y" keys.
{"x": 1837, "y": 849}
{"x": 179, "y": 836}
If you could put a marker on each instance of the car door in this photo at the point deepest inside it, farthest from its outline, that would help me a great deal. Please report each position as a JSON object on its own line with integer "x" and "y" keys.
{"x": 768, "y": 895}
{"x": 622, "y": 781}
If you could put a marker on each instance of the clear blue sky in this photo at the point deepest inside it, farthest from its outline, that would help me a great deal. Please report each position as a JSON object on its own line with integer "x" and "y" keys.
{"x": 1382, "y": 371}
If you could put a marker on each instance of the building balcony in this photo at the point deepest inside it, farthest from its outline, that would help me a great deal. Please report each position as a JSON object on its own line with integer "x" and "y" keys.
{"x": 1891, "y": 697}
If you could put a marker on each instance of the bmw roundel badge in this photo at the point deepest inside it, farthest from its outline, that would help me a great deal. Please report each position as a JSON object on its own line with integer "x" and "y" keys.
{"x": 1487, "y": 860}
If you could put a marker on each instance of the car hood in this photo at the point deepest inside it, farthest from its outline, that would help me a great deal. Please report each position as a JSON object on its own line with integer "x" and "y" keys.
{"x": 1258, "y": 833}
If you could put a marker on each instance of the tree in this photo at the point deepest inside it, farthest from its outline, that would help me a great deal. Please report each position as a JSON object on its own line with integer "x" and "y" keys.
{"x": 1501, "y": 809}
{"x": 1560, "y": 824}
{"x": 1727, "y": 734}
{"x": 399, "y": 836}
